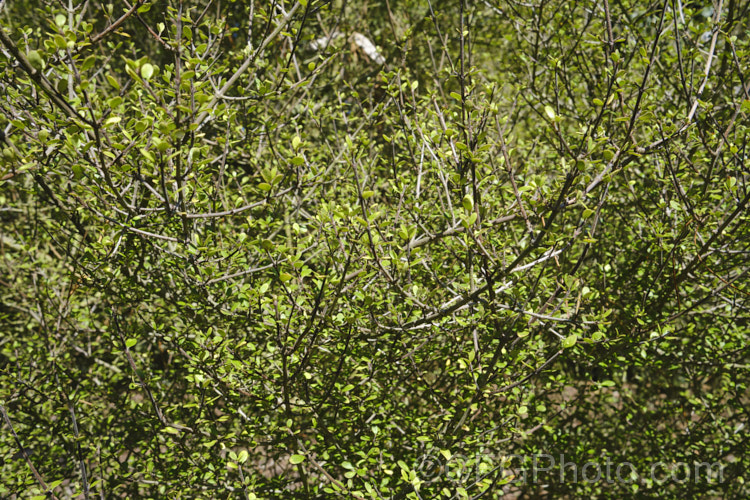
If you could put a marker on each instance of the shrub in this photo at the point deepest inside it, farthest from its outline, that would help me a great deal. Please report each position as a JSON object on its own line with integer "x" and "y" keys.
{"x": 345, "y": 250}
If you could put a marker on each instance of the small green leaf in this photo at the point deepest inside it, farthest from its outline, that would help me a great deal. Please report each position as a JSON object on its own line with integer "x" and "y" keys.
{"x": 60, "y": 20}
{"x": 130, "y": 343}
{"x": 35, "y": 59}
{"x": 147, "y": 71}
{"x": 148, "y": 155}
{"x": 113, "y": 82}
{"x": 267, "y": 244}
{"x": 550, "y": 112}
{"x": 570, "y": 340}
{"x": 268, "y": 174}
{"x": 468, "y": 221}
{"x": 88, "y": 63}
{"x": 296, "y": 459}
{"x": 160, "y": 144}
{"x": 54, "y": 484}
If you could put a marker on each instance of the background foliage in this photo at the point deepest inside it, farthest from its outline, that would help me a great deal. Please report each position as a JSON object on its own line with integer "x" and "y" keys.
{"x": 244, "y": 256}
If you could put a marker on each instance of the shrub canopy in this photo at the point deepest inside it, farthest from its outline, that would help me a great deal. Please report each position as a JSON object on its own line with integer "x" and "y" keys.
{"x": 407, "y": 249}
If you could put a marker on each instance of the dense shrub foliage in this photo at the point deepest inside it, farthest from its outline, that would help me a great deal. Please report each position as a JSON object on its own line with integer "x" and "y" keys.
{"x": 329, "y": 249}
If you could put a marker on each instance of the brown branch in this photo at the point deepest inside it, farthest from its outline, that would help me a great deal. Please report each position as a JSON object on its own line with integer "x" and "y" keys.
{"x": 25, "y": 454}
{"x": 97, "y": 38}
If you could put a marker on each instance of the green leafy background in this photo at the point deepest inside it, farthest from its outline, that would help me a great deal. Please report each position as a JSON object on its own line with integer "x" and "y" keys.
{"x": 239, "y": 257}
